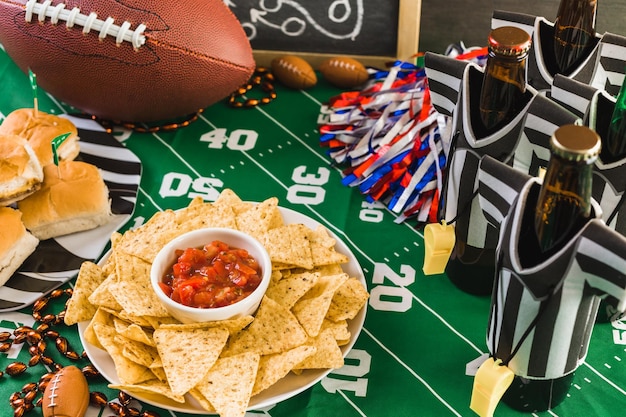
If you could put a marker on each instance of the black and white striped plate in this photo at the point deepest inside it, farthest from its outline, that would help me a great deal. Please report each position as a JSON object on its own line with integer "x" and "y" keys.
{"x": 57, "y": 260}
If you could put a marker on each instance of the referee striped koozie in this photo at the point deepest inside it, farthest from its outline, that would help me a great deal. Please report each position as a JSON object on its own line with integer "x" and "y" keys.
{"x": 595, "y": 107}
{"x": 543, "y": 118}
{"x": 603, "y": 68}
{"x": 557, "y": 300}
{"x": 455, "y": 90}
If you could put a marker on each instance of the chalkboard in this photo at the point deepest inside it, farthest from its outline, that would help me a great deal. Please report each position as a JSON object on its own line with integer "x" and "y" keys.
{"x": 372, "y": 31}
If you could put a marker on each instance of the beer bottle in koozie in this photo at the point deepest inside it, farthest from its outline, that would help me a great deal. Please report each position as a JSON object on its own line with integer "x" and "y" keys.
{"x": 563, "y": 208}
{"x": 574, "y": 31}
{"x": 614, "y": 141}
{"x": 564, "y": 204}
{"x": 471, "y": 267}
{"x": 504, "y": 80}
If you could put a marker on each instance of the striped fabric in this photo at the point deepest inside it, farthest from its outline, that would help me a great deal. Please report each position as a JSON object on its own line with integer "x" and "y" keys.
{"x": 563, "y": 291}
{"x": 609, "y": 179}
{"x": 543, "y": 118}
{"x": 595, "y": 107}
{"x": 603, "y": 68}
{"x": 573, "y": 95}
{"x": 454, "y": 87}
{"x": 57, "y": 260}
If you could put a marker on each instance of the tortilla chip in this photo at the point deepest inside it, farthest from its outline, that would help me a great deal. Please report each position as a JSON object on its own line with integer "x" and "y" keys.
{"x": 159, "y": 372}
{"x": 274, "y": 367}
{"x": 204, "y": 403}
{"x": 348, "y": 300}
{"x": 311, "y": 309}
{"x": 260, "y": 218}
{"x": 101, "y": 317}
{"x": 232, "y": 325}
{"x": 228, "y": 198}
{"x": 339, "y": 329}
{"x": 280, "y": 266}
{"x": 327, "y": 354}
{"x": 188, "y": 354}
{"x": 146, "y": 240}
{"x": 137, "y": 298}
{"x": 228, "y": 385}
{"x": 133, "y": 331}
{"x": 108, "y": 265}
{"x": 202, "y": 215}
{"x": 131, "y": 268}
{"x": 157, "y": 322}
{"x": 289, "y": 290}
{"x": 332, "y": 269}
{"x": 153, "y": 386}
{"x": 90, "y": 276}
{"x": 128, "y": 371}
{"x": 273, "y": 330}
{"x": 137, "y": 352}
{"x": 323, "y": 248}
{"x": 124, "y": 315}
{"x": 289, "y": 244}
{"x": 102, "y": 296}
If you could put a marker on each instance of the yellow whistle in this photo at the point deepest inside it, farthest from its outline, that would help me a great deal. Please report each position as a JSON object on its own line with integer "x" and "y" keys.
{"x": 439, "y": 240}
{"x": 490, "y": 383}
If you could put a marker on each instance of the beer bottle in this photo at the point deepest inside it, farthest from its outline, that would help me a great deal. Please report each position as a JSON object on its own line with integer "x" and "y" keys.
{"x": 614, "y": 142}
{"x": 563, "y": 207}
{"x": 574, "y": 31}
{"x": 564, "y": 204}
{"x": 502, "y": 96}
{"x": 504, "y": 80}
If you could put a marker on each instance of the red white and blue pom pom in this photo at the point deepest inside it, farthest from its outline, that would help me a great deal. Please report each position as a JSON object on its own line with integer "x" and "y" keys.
{"x": 388, "y": 139}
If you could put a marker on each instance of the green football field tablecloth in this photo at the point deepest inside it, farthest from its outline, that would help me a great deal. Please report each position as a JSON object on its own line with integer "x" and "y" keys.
{"x": 420, "y": 331}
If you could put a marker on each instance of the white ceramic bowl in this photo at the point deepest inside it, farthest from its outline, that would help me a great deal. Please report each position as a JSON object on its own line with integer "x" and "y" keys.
{"x": 196, "y": 239}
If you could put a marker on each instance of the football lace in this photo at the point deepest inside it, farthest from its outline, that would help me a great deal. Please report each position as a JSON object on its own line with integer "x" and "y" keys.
{"x": 107, "y": 27}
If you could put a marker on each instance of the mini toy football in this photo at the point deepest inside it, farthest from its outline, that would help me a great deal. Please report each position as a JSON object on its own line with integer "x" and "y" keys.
{"x": 344, "y": 72}
{"x": 294, "y": 72}
{"x": 131, "y": 60}
{"x": 66, "y": 395}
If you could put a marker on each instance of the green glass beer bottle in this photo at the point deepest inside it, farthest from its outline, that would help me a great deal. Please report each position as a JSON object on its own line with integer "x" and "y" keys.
{"x": 614, "y": 142}
{"x": 574, "y": 31}
{"x": 504, "y": 79}
{"x": 563, "y": 207}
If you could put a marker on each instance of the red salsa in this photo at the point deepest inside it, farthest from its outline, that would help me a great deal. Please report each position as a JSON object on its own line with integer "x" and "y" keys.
{"x": 215, "y": 275}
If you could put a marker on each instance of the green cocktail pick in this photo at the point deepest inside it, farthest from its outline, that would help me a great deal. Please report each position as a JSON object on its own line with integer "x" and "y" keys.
{"x": 33, "y": 86}
{"x": 56, "y": 144}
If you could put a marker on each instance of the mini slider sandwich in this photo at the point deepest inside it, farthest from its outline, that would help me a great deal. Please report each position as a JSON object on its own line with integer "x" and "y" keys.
{"x": 72, "y": 198}
{"x": 20, "y": 171}
{"x": 39, "y": 128}
{"x": 16, "y": 244}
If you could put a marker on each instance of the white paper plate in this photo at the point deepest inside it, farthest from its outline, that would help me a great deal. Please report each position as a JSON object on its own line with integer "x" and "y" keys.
{"x": 284, "y": 389}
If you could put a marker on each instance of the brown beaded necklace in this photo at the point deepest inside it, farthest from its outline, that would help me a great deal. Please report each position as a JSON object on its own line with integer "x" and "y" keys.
{"x": 262, "y": 78}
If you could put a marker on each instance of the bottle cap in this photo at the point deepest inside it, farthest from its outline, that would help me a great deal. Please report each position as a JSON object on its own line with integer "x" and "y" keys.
{"x": 576, "y": 143}
{"x": 509, "y": 41}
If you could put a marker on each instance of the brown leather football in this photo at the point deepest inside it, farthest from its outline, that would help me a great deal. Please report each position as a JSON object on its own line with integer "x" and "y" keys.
{"x": 294, "y": 72}
{"x": 66, "y": 395}
{"x": 344, "y": 72}
{"x": 131, "y": 60}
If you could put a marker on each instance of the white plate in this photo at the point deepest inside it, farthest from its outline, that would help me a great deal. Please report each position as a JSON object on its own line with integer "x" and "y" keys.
{"x": 284, "y": 389}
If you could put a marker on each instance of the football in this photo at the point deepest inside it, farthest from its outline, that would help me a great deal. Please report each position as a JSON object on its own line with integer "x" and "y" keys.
{"x": 344, "y": 72}
{"x": 66, "y": 395}
{"x": 131, "y": 60}
{"x": 294, "y": 72}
